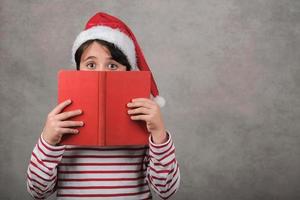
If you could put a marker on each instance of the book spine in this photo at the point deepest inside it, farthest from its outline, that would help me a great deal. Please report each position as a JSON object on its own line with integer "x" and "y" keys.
{"x": 101, "y": 108}
{"x": 104, "y": 107}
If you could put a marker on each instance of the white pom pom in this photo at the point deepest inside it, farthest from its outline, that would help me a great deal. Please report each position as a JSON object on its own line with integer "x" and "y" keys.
{"x": 160, "y": 101}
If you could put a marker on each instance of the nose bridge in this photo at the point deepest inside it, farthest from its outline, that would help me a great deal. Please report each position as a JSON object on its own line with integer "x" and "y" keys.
{"x": 102, "y": 66}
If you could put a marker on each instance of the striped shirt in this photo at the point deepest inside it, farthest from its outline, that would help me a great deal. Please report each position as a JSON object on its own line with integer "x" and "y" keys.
{"x": 126, "y": 172}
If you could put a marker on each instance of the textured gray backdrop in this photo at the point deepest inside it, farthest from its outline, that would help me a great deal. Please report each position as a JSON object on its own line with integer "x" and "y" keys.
{"x": 229, "y": 69}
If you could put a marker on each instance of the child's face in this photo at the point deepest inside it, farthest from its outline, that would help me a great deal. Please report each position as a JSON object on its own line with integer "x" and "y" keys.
{"x": 98, "y": 58}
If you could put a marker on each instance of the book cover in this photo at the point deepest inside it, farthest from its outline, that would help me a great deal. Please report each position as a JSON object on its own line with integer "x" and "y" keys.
{"x": 103, "y": 98}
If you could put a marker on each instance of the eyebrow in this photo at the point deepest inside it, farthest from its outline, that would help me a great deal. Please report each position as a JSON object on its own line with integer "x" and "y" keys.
{"x": 90, "y": 57}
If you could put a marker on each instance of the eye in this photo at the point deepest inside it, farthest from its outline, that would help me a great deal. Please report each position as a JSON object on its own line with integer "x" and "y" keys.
{"x": 91, "y": 65}
{"x": 112, "y": 66}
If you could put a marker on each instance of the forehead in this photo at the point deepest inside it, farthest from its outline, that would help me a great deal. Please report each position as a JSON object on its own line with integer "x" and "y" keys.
{"x": 96, "y": 49}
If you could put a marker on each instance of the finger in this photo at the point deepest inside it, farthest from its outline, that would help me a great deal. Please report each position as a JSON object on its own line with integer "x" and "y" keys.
{"x": 150, "y": 101}
{"x": 64, "y": 131}
{"x": 140, "y": 117}
{"x": 60, "y": 107}
{"x": 70, "y": 123}
{"x": 139, "y": 104}
{"x": 66, "y": 115}
{"x": 140, "y": 110}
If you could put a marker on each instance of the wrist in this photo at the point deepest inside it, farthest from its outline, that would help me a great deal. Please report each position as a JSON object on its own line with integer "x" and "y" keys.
{"x": 159, "y": 137}
{"x": 47, "y": 140}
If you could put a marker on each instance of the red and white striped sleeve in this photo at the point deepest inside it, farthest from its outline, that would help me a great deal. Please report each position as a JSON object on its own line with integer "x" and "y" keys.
{"x": 42, "y": 169}
{"x": 163, "y": 170}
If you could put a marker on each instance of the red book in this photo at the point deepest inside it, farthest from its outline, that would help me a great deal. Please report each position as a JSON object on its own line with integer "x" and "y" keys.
{"x": 103, "y": 98}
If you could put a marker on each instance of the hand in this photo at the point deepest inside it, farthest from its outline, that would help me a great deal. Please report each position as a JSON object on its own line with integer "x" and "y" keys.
{"x": 56, "y": 125}
{"x": 149, "y": 111}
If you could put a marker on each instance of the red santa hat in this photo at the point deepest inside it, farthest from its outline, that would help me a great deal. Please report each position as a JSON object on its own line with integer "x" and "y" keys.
{"x": 111, "y": 29}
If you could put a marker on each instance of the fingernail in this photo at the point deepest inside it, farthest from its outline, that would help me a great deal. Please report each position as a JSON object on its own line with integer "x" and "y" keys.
{"x": 82, "y": 123}
{"x": 69, "y": 101}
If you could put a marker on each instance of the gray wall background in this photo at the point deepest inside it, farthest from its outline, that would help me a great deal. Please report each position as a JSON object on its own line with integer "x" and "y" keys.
{"x": 229, "y": 69}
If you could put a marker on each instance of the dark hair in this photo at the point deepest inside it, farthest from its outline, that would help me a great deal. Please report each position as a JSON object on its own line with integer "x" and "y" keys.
{"x": 115, "y": 52}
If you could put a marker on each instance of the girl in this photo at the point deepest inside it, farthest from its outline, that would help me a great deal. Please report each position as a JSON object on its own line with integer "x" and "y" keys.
{"x": 126, "y": 172}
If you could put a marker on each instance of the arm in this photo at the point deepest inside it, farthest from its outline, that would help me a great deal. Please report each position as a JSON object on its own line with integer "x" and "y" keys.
{"x": 42, "y": 169}
{"x": 163, "y": 170}
{"x": 162, "y": 167}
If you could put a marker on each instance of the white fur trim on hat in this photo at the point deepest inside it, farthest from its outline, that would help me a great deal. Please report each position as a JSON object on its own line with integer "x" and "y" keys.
{"x": 115, "y": 36}
{"x": 160, "y": 101}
